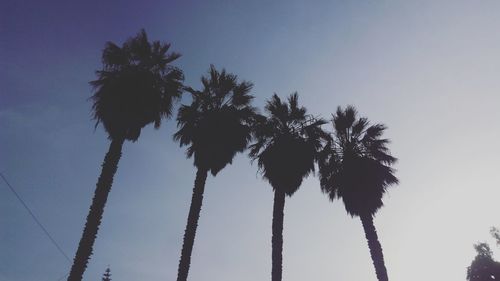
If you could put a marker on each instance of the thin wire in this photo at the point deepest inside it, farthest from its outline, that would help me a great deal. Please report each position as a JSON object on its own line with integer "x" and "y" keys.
{"x": 34, "y": 218}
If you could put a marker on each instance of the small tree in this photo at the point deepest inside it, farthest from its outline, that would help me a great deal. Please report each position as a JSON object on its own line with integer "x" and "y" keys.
{"x": 107, "y": 275}
{"x": 483, "y": 267}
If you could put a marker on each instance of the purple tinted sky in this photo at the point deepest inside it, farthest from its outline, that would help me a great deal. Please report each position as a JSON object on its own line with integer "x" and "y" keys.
{"x": 428, "y": 69}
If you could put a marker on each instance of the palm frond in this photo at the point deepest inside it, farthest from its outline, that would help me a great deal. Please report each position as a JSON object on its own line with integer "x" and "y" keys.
{"x": 217, "y": 123}
{"x": 286, "y": 143}
{"x": 136, "y": 86}
{"x": 355, "y": 164}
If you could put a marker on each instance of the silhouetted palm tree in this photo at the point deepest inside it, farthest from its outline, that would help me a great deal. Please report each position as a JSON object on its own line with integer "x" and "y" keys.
{"x": 136, "y": 87}
{"x": 215, "y": 126}
{"x": 355, "y": 165}
{"x": 286, "y": 146}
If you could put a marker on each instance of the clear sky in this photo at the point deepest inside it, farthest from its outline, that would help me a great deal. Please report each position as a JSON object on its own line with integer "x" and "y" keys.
{"x": 429, "y": 70}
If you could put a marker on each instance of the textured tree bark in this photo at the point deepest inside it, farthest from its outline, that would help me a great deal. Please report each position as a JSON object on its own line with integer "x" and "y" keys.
{"x": 103, "y": 187}
{"x": 277, "y": 239}
{"x": 192, "y": 224}
{"x": 375, "y": 247}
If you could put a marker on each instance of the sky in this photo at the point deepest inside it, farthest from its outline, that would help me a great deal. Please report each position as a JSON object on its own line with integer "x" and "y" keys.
{"x": 427, "y": 69}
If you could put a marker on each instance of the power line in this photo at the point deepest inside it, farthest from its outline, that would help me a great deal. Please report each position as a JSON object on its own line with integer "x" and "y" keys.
{"x": 34, "y": 218}
{"x": 37, "y": 221}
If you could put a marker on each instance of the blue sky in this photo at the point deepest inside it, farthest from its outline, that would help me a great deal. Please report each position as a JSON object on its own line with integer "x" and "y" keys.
{"x": 427, "y": 69}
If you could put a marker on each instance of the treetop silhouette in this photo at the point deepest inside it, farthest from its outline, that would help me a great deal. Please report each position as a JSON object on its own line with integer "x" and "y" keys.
{"x": 286, "y": 143}
{"x": 216, "y": 125}
{"x": 137, "y": 86}
{"x": 107, "y": 275}
{"x": 484, "y": 267}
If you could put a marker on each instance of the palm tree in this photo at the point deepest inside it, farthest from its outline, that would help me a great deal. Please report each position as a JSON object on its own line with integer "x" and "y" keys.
{"x": 137, "y": 86}
{"x": 286, "y": 145}
{"x": 215, "y": 126}
{"x": 355, "y": 165}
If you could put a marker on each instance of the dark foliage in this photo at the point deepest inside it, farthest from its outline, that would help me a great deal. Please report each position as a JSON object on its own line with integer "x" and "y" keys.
{"x": 483, "y": 267}
{"x": 355, "y": 165}
{"x": 216, "y": 125}
{"x": 287, "y": 141}
{"x": 136, "y": 86}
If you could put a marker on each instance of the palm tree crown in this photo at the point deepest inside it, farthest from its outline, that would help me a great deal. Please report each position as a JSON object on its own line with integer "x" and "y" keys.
{"x": 355, "y": 163}
{"x": 286, "y": 144}
{"x": 136, "y": 86}
{"x": 216, "y": 125}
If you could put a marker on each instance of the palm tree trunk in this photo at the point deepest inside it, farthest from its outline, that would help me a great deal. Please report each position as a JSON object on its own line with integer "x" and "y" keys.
{"x": 109, "y": 167}
{"x": 375, "y": 247}
{"x": 192, "y": 224}
{"x": 277, "y": 239}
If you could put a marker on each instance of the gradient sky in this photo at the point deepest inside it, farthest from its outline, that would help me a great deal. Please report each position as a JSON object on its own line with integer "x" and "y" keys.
{"x": 429, "y": 70}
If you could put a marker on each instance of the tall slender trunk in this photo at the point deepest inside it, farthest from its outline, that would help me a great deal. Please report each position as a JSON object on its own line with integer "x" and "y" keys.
{"x": 103, "y": 186}
{"x": 192, "y": 224}
{"x": 375, "y": 247}
{"x": 277, "y": 239}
